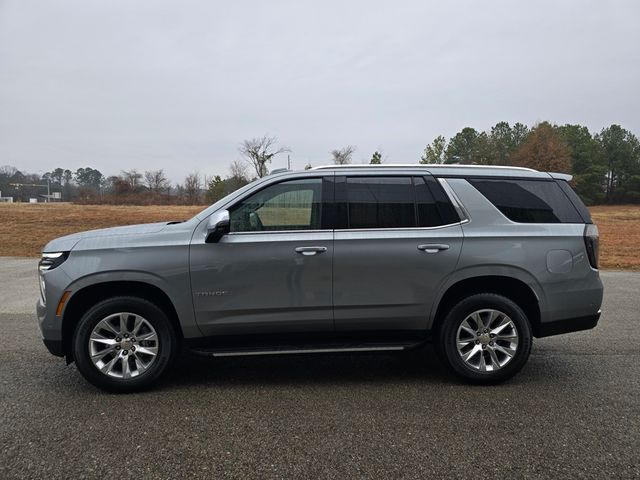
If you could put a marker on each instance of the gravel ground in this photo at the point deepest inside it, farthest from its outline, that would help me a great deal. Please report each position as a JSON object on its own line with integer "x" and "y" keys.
{"x": 574, "y": 411}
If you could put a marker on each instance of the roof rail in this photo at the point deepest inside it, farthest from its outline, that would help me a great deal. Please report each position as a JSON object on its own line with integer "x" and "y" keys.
{"x": 278, "y": 170}
{"x": 421, "y": 165}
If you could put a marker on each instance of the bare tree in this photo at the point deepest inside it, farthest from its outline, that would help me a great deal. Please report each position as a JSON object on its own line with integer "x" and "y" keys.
{"x": 237, "y": 170}
{"x": 343, "y": 156}
{"x": 179, "y": 189}
{"x": 237, "y": 177}
{"x": 192, "y": 188}
{"x": 132, "y": 177}
{"x": 257, "y": 152}
{"x": 118, "y": 185}
{"x": 156, "y": 180}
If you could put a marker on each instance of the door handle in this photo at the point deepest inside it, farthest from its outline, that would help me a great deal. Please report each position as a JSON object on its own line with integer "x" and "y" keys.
{"x": 433, "y": 247}
{"x": 310, "y": 250}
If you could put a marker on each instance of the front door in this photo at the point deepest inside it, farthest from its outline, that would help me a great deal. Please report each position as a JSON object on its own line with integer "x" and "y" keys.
{"x": 273, "y": 272}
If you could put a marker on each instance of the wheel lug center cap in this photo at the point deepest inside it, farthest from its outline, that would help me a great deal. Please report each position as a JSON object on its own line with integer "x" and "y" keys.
{"x": 484, "y": 338}
{"x": 126, "y": 344}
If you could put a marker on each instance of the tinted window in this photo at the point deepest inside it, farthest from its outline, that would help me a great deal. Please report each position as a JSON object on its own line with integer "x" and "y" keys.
{"x": 529, "y": 201}
{"x": 293, "y": 205}
{"x": 575, "y": 199}
{"x": 433, "y": 206}
{"x": 380, "y": 202}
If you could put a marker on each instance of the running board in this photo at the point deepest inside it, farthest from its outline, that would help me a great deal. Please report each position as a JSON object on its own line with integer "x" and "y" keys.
{"x": 292, "y": 350}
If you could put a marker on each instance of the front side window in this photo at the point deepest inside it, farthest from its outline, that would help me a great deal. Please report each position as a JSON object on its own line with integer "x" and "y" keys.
{"x": 292, "y": 205}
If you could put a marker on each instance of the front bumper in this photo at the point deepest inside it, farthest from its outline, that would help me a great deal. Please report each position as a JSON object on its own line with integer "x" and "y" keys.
{"x": 51, "y": 330}
{"x": 57, "y": 282}
{"x": 54, "y": 347}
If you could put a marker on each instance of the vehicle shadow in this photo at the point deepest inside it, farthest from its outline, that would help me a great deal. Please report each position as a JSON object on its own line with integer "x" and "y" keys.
{"x": 420, "y": 366}
{"x": 417, "y": 365}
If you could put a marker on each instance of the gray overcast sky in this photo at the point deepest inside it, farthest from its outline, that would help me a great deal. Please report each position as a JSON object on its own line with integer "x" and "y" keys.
{"x": 117, "y": 84}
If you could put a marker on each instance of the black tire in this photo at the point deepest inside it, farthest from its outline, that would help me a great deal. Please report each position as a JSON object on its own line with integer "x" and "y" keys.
{"x": 447, "y": 338}
{"x": 167, "y": 344}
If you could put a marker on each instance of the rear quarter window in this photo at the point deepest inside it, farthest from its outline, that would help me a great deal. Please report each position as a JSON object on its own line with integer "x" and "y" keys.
{"x": 529, "y": 201}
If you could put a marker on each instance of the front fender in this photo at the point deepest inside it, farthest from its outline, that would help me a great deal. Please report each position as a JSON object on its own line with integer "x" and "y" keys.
{"x": 178, "y": 295}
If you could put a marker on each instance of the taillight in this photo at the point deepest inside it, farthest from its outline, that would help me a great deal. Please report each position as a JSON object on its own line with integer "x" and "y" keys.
{"x": 592, "y": 243}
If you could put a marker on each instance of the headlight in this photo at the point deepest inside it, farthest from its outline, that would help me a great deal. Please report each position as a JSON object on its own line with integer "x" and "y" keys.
{"x": 49, "y": 261}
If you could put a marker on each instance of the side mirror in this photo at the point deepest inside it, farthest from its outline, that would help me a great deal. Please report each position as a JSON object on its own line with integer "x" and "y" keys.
{"x": 217, "y": 226}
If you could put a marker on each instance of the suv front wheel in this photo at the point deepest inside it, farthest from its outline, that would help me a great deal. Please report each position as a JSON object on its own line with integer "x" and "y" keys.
{"x": 124, "y": 344}
{"x": 485, "y": 338}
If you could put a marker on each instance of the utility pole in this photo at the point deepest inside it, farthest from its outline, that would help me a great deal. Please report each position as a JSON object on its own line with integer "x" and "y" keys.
{"x": 288, "y": 162}
{"x": 39, "y": 185}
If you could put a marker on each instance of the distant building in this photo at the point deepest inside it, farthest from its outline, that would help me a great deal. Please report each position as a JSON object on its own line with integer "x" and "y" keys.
{"x": 5, "y": 199}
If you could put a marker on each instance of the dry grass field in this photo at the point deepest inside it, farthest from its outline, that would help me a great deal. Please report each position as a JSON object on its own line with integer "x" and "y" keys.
{"x": 26, "y": 228}
{"x": 619, "y": 227}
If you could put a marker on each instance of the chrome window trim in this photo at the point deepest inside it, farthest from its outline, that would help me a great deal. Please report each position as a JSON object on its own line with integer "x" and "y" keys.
{"x": 278, "y": 231}
{"x": 412, "y": 229}
{"x": 350, "y": 230}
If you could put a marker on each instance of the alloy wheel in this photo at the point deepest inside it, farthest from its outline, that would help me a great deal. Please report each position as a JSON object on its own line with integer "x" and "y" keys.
{"x": 123, "y": 345}
{"x": 487, "y": 340}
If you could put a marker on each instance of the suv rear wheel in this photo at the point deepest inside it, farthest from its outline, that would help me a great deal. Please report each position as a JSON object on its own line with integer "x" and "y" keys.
{"x": 124, "y": 344}
{"x": 485, "y": 338}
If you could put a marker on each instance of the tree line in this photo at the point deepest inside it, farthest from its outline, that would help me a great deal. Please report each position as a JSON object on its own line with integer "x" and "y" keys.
{"x": 89, "y": 185}
{"x": 605, "y": 166}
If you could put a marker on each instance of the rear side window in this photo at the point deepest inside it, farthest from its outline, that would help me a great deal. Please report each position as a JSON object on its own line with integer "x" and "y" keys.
{"x": 394, "y": 202}
{"x": 434, "y": 207}
{"x": 529, "y": 201}
{"x": 380, "y": 202}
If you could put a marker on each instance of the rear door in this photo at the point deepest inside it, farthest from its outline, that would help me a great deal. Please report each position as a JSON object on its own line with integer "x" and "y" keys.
{"x": 397, "y": 239}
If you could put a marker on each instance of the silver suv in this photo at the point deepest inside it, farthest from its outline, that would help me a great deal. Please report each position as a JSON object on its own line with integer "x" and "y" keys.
{"x": 357, "y": 258}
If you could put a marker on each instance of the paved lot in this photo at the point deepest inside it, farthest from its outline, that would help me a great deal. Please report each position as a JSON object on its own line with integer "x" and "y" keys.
{"x": 574, "y": 411}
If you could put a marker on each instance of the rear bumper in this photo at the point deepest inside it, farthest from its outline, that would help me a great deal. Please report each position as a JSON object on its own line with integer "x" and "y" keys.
{"x": 567, "y": 325}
